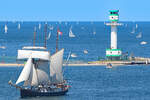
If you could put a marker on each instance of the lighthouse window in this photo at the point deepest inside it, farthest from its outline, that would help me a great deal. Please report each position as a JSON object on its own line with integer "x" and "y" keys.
{"x": 115, "y": 13}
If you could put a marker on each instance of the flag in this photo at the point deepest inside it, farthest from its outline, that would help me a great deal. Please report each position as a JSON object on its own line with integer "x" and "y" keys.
{"x": 59, "y": 32}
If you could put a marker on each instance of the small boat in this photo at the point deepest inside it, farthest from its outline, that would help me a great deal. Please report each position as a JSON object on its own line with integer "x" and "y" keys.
{"x": 6, "y": 28}
{"x": 71, "y": 33}
{"x": 2, "y": 47}
{"x": 85, "y": 51}
{"x": 73, "y": 55}
{"x": 109, "y": 65}
{"x": 143, "y": 43}
{"x": 139, "y": 35}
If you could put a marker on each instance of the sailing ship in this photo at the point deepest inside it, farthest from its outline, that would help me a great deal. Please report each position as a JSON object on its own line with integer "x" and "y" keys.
{"x": 35, "y": 75}
{"x": 42, "y": 74}
{"x": 71, "y": 33}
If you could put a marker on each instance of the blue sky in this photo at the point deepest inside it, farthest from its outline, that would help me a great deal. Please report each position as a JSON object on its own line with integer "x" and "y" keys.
{"x": 73, "y": 10}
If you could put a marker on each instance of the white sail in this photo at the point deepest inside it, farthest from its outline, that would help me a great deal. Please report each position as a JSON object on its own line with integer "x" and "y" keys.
{"x": 24, "y": 54}
{"x": 139, "y": 35}
{"x": 43, "y": 72}
{"x": 39, "y": 26}
{"x": 33, "y": 77}
{"x": 56, "y": 62}
{"x": 49, "y": 35}
{"x": 71, "y": 33}
{"x": 24, "y": 76}
{"x": 136, "y": 26}
{"x": 19, "y": 26}
{"x": 5, "y": 28}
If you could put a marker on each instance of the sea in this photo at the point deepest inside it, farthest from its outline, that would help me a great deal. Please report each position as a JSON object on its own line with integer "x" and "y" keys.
{"x": 87, "y": 82}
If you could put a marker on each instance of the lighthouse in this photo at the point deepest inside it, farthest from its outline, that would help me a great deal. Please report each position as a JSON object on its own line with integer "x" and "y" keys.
{"x": 113, "y": 53}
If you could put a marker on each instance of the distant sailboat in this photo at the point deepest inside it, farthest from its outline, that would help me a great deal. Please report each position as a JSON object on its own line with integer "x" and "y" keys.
{"x": 19, "y": 26}
{"x": 133, "y": 30}
{"x": 71, "y": 33}
{"x": 39, "y": 26}
{"x": 49, "y": 35}
{"x": 6, "y": 28}
{"x": 2, "y": 47}
{"x": 73, "y": 55}
{"x": 143, "y": 43}
{"x": 51, "y": 27}
{"x": 94, "y": 32}
{"x": 85, "y": 51}
{"x": 139, "y": 35}
{"x": 136, "y": 26}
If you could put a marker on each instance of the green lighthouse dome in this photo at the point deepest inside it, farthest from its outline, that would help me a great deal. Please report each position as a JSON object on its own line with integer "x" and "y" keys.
{"x": 114, "y": 16}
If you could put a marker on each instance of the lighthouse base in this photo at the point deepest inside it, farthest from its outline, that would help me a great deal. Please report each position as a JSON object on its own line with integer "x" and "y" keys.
{"x": 113, "y": 54}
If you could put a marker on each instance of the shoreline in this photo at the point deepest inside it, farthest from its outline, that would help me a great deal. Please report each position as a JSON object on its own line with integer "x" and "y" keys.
{"x": 103, "y": 63}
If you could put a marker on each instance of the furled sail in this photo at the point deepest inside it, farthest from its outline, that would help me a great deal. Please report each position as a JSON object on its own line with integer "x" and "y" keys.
{"x": 56, "y": 62}
{"x": 24, "y": 76}
{"x": 25, "y": 54}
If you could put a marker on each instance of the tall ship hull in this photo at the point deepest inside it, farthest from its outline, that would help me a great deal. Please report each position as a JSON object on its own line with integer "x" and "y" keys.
{"x": 34, "y": 93}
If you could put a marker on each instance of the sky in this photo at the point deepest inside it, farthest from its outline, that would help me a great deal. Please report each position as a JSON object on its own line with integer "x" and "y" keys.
{"x": 73, "y": 10}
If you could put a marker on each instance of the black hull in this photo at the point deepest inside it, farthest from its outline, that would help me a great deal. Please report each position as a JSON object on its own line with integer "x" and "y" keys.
{"x": 32, "y": 93}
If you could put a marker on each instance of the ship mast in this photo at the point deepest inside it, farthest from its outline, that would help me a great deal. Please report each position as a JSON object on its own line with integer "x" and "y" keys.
{"x": 45, "y": 30}
{"x": 57, "y": 41}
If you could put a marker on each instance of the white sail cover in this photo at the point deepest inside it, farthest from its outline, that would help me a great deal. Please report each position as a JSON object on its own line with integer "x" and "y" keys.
{"x": 56, "y": 62}
{"x": 25, "y": 54}
{"x": 24, "y": 76}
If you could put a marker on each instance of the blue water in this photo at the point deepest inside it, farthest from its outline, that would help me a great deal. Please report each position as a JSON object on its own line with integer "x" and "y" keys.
{"x": 87, "y": 83}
